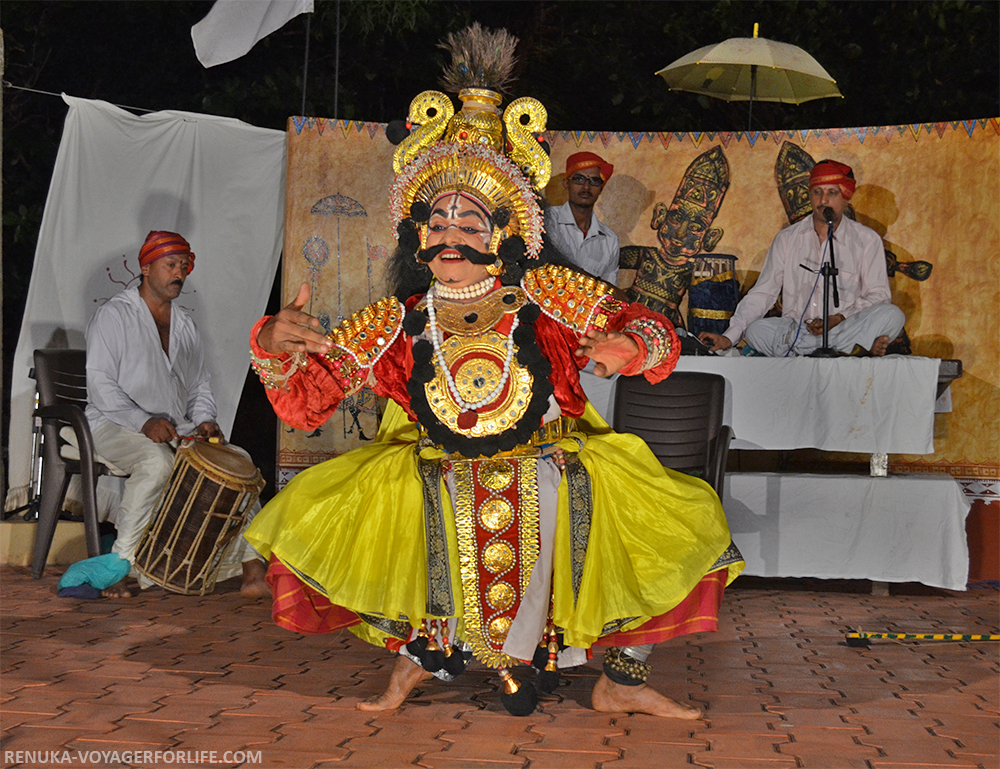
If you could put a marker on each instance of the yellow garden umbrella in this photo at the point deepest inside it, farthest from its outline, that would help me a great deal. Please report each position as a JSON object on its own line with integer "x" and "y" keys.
{"x": 748, "y": 68}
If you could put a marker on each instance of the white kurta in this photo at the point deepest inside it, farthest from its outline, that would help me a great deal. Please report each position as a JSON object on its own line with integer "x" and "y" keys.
{"x": 130, "y": 379}
{"x": 862, "y": 280}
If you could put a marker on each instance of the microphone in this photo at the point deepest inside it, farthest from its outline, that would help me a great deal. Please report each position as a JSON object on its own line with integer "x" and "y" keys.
{"x": 828, "y": 215}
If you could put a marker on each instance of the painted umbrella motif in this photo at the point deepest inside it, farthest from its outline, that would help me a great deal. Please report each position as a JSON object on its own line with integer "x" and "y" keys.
{"x": 363, "y": 402}
{"x": 339, "y": 206}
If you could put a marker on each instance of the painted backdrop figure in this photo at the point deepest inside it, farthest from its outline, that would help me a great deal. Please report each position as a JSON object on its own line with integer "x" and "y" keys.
{"x": 684, "y": 229}
{"x": 865, "y": 320}
{"x": 574, "y": 229}
{"x": 496, "y": 517}
{"x": 147, "y": 384}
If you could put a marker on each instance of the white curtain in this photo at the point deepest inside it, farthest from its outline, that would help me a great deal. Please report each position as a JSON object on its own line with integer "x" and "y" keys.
{"x": 217, "y": 181}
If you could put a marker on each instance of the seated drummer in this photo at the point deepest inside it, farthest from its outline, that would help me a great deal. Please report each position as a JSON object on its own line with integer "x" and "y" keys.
{"x": 147, "y": 385}
{"x": 865, "y": 322}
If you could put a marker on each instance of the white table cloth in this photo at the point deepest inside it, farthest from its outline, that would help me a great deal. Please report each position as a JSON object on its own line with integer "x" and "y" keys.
{"x": 863, "y": 405}
{"x": 904, "y": 528}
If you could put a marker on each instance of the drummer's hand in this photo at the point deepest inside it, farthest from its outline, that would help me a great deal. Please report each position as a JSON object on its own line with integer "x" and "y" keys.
{"x": 715, "y": 341}
{"x": 208, "y": 430}
{"x": 815, "y": 326}
{"x": 159, "y": 430}
{"x": 292, "y": 330}
{"x": 610, "y": 351}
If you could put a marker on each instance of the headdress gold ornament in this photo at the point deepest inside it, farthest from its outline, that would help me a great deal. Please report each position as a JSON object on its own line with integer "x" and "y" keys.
{"x": 791, "y": 175}
{"x": 494, "y": 157}
{"x": 706, "y": 180}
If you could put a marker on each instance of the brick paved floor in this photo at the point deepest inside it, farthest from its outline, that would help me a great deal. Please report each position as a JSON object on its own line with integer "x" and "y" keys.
{"x": 777, "y": 684}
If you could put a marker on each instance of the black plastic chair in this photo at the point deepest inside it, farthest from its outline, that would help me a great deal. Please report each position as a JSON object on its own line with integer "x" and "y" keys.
{"x": 680, "y": 419}
{"x": 61, "y": 378}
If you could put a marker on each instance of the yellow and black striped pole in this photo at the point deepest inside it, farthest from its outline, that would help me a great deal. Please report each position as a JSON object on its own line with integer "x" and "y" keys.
{"x": 862, "y": 639}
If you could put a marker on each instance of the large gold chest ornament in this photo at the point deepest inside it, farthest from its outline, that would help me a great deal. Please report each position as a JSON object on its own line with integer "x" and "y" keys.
{"x": 479, "y": 359}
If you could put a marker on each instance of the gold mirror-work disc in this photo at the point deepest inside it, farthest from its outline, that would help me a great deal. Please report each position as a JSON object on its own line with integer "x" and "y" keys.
{"x": 499, "y": 627}
{"x": 498, "y": 556}
{"x": 496, "y": 474}
{"x": 495, "y": 514}
{"x": 500, "y": 596}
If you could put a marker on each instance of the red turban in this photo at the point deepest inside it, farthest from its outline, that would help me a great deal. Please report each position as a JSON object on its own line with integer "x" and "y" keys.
{"x": 160, "y": 243}
{"x": 582, "y": 160}
{"x": 832, "y": 172}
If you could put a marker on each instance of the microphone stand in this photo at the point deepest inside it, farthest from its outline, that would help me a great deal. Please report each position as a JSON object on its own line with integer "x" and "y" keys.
{"x": 829, "y": 272}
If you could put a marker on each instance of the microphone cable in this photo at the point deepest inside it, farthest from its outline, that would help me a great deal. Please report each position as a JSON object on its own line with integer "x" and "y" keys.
{"x": 798, "y": 329}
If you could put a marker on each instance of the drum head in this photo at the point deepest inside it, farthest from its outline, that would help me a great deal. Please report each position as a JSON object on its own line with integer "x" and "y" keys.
{"x": 222, "y": 459}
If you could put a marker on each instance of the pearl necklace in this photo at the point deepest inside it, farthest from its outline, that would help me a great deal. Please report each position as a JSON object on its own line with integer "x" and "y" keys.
{"x": 436, "y": 342}
{"x": 474, "y": 291}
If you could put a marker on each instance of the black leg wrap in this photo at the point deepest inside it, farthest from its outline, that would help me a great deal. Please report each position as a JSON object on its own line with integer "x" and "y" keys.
{"x": 624, "y": 670}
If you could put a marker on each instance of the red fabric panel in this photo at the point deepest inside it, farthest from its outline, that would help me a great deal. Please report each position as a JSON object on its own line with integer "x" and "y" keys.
{"x": 697, "y": 613}
{"x": 300, "y": 608}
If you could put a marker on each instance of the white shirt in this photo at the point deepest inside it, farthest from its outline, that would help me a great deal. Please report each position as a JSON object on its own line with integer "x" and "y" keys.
{"x": 597, "y": 253}
{"x": 861, "y": 280}
{"x": 131, "y": 380}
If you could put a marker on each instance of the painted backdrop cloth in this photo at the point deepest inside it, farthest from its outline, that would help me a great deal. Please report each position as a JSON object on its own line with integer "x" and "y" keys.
{"x": 218, "y": 181}
{"x": 940, "y": 237}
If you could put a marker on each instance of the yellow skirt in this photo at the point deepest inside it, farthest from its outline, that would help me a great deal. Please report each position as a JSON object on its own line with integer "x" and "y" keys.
{"x": 354, "y": 526}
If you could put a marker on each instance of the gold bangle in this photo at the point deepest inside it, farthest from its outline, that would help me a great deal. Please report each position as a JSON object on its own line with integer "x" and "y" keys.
{"x": 272, "y": 372}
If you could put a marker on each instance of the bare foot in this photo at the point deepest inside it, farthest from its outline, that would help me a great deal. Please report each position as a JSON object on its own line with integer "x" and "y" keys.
{"x": 253, "y": 584}
{"x": 117, "y": 590}
{"x": 880, "y": 345}
{"x": 609, "y": 697}
{"x": 405, "y": 675}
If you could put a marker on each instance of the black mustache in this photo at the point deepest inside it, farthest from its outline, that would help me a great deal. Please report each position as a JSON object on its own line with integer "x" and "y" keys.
{"x": 177, "y": 282}
{"x": 427, "y": 255}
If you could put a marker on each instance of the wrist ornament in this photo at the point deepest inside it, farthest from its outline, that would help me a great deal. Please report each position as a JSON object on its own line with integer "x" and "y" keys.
{"x": 656, "y": 339}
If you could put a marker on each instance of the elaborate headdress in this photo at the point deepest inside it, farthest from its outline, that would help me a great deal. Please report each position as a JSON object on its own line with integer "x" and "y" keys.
{"x": 498, "y": 159}
{"x": 791, "y": 175}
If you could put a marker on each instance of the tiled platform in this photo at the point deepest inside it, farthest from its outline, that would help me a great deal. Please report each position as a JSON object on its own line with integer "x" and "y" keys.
{"x": 778, "y": 686}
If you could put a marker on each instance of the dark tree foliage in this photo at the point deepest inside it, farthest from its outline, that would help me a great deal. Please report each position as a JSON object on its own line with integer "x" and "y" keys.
{"x": 590, "y": 63}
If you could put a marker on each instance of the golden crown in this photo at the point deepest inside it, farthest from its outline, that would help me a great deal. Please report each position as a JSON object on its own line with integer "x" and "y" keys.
{"x": 496, "y": 158}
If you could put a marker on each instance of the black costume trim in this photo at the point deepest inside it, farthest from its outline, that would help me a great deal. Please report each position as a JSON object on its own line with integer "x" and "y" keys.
{"x": 520, "y": 433}
{"x": 581, "y": 508}
{"x": 730, "y": 556}
{"x": 440, "y": 601}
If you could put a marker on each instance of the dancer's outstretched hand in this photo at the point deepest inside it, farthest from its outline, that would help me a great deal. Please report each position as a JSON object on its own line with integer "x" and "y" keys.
{"x": 292, "y": 330}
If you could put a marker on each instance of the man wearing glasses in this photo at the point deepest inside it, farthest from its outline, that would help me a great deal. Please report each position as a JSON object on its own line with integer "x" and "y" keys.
{"x": 572, "y": 227}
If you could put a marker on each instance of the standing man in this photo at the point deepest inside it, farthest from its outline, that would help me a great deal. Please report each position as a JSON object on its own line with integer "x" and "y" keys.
{"x": 574, "y": 229}
{"x": 865, "y": 321}
{"x": 147, "y": 385}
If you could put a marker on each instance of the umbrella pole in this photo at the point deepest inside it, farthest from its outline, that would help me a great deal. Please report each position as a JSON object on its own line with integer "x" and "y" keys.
{"x": 753, "y": 87}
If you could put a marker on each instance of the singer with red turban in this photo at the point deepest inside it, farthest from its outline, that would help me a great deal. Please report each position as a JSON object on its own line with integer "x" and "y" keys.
{"x": 864, "y": 322}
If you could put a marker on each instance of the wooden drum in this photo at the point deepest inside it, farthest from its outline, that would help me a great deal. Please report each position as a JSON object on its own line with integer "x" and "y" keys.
{"x": 202, "y": 508}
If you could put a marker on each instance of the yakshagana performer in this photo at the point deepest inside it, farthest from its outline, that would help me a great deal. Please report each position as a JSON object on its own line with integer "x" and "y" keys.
{"x": 496, "y": 516}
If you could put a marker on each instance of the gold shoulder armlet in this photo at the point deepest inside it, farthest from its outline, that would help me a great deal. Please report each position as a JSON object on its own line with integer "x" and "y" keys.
{"x": 571, "y": 298}
{"x": 367, "y": 334}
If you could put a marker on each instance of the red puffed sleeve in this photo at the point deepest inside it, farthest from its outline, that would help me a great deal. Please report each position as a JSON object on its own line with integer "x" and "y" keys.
{"x": 369, "y": 350}
{"x": 304, "y": 391}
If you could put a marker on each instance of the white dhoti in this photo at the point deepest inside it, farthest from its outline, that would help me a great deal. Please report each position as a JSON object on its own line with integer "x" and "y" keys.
{"x": 774, "y": 337}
